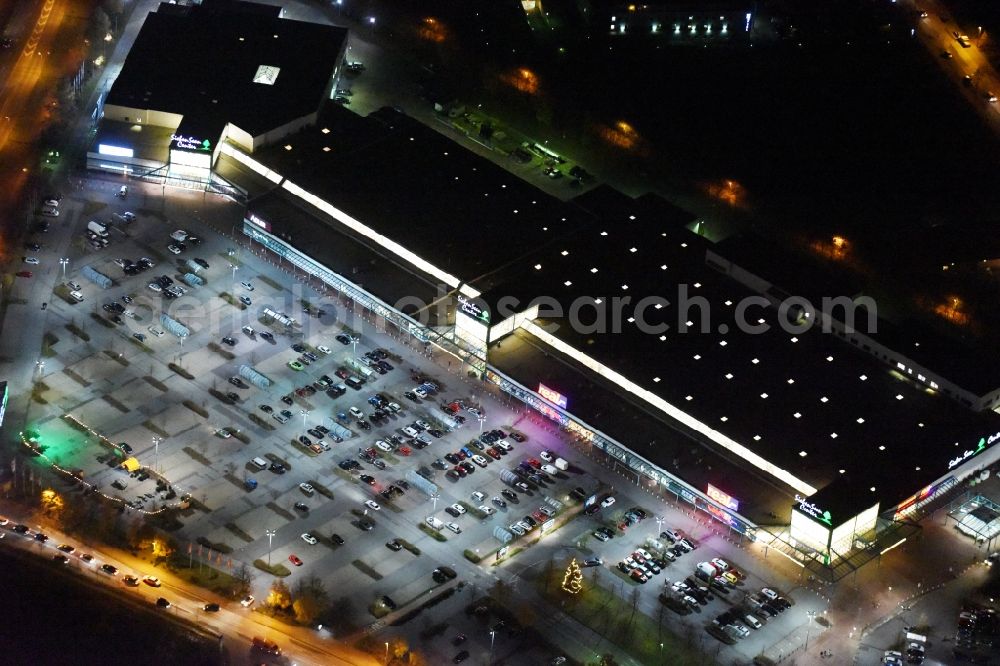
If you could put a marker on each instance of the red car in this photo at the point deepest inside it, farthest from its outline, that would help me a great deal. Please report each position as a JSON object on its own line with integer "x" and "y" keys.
{"x": 294, "y": 559}
{"x": 342, "y": 373}
{"x": 534, "y": 463}
{"x": 24, "y": 274}
{"x": 460, "y": 471}
{"x": 404, "y": 450}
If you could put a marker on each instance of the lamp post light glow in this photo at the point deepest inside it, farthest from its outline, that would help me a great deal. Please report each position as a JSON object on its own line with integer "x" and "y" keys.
{"x": 270, "y": 535}
{"x": 63, "y": 262}
{"x": 810, "y": 615}
{"x": 156, "y": 454}
{"x": 434, "y": 498}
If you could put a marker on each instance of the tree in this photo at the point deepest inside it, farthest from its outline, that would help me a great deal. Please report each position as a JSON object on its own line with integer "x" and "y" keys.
{"x": 279, "y": 597}
{"x": 573, "y": 580}
{"x": 307, "y": 609}
{"x": 244, "y": 577}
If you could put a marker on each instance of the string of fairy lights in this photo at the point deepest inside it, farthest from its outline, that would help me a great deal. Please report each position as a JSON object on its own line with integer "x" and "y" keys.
{"x": 35, "y": 448}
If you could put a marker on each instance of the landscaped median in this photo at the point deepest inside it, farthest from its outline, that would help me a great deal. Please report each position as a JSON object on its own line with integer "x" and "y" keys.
{"x": 433, "y": 533}
{"x": 274, "y": 569}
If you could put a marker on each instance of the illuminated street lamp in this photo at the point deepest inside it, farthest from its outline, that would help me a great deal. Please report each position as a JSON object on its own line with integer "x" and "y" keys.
{"x": 493, "y": 633}
{"x": 434, "y": 498}
{"x": 304, "y": 414}
{"x": 270, "y": 535}
{"x": 387, "y": 653}
{"x": 156, "y": 454}
{"x": 810, "y": 615}
{"x": 63, "y": 262}
{"x": 482, "y": 420}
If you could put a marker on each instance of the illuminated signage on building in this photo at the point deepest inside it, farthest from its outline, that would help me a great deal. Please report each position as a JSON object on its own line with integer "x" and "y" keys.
{"x": 259, "y": 222}
{"x": 554, "y": 397}
{"x": 190, "y": 143}
{"x": 813, "y": 511}
{"x": 984, "y": 442}
{"x": 722, "y": 498}
{"x": 473, "y": 310}
{"x": 114, "y": 151}
{"x": 3, "y": 401}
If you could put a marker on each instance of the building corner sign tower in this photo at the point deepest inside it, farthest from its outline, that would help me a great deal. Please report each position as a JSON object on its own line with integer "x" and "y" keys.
{"x": 813, "y": 511}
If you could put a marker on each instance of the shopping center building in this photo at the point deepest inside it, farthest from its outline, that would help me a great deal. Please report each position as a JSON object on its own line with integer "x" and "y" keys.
{"x": 668, "y": 357}
{"x": 200, "y": 76}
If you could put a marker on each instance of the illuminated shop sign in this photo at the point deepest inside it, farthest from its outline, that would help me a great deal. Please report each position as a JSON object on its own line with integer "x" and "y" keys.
{"x": 473, "y": 310}
{"x": 114, "y": 151}
{"x": 190, "y": 143}
{"x": 555, "y": 397}
{"x": 813, "y": 511}
{"x": 984, "y": 442}
{"x": 722, "y": 498}
{"x": 259, "y": 222}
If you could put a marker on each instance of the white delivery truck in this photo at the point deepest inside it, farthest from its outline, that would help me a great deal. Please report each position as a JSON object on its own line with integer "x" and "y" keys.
{"x": 561, "y": 464}
{"x": 99, "y": 228}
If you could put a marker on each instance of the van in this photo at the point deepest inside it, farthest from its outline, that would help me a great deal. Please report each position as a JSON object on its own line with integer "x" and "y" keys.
{"x": 180, "y": 235}
{"x": 365, "y": 372}
{"x": 549, "y": 469}
{"x": 76, "y": 296}
{"x": 435, "y": 522}
{"x": 707, "y": 569}
{"x": 752, "y": 621}
{"x": 561, "y": 464}
{"x": 259, "y": 463}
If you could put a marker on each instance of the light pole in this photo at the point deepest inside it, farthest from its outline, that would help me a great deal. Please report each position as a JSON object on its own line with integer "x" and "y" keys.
{"x": 482, "y": 419}
{"x": 387, "y": 653}
{"x": 270, "y": 536}
{"x": 810, "y": 615}
{"x": 235, "y": 268}
{"x": 493, "y": 633}
{"x": 354, "y": 341}
{"x": 63, "y": 262}
{"x": 659, "y": 524}
{"x": 434, "y": 498}
{"x": 304, "y": 414}
{"x": 156, "y": 454}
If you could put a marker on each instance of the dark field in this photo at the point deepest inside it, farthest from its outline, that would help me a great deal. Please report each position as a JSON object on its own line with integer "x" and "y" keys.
{"x": 50, "y": 617}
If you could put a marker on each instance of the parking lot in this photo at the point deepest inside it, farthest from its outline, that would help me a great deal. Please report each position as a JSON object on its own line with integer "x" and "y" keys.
{"x": 300, "y": 431}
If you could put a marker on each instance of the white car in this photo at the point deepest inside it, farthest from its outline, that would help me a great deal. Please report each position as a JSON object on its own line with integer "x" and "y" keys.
{"x": 459, "y": 509}
{"x": 549, "y": 469}
{"x": 546, "y": 456}
{"x": 52, "y": 202}
{"x": 720, "y": 564}
{"x": 517, "y": 529}
{"x": 454, "y": 528}
{"x": 155, "y": 287}
{"x": 424, "y": 425}
{"x": 173, "y": 249}
{"x": 247, "y": 285}
{"x": 324, "y": 350}
{"x": 608, "y": 501}
{"x": 393, "y": 407}
{"x": 247, "y": 601}
{"x": 419, "y": 391}
{"x": 76, "y": 296}
{"x": 309, "y": 539}
{"x": 129, "y": 314}
{"x": 356, "y": 413}
{"x": 769, "y": 593}
{"x": 155, "y": 331}
{"x": 306, "y": 488}
{"x": 31, "y": 260}
{"x": 478, "y": 496}
{"x": 372, "y": 504}
{"x": 479, "y": 460}
{"x": 488, "y": 510}
{"x": 383, "y": 445}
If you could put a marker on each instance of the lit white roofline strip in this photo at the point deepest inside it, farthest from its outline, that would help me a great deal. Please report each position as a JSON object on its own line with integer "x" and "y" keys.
{"x": 368, "y": 232}
{"x": 250, "y": 163}
{"x": 668, "y": 409}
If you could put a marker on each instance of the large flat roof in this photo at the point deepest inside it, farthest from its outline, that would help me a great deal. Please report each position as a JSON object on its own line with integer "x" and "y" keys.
{"x": 808, "y": 403}
{"x": 204, "y": 62}
{"x": 455, "y": 209}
